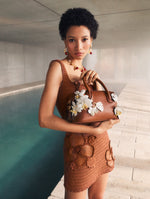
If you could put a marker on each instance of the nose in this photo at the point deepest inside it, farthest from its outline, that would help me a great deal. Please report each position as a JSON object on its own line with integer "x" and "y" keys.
{"x": 78, "y": 45}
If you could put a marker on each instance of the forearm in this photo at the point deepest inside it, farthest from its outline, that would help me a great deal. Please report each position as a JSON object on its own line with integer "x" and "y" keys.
{"x": 56, "y": 123}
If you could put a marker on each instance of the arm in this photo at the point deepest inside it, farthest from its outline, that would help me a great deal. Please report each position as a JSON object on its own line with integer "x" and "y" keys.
{"x": 48, "y": 100}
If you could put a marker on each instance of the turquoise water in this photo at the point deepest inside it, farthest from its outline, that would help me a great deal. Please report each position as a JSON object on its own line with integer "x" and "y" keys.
{"x": 31, "y": 158}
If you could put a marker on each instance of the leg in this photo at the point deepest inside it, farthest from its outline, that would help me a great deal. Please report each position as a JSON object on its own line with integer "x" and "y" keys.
{"x": 75, "y": 195}
{"x": 96, "y": 191}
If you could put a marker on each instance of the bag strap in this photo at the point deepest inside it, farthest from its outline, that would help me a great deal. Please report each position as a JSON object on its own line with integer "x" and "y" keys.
{"x": 90, "y": 90}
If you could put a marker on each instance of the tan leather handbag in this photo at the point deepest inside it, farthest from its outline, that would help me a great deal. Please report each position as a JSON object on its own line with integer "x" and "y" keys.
{"x": 90, "y": 106}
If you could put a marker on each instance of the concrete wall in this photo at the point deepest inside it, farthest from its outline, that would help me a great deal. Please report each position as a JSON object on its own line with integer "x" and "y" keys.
{"x": 20, "y": 64}
{"x": 121, "y": 64}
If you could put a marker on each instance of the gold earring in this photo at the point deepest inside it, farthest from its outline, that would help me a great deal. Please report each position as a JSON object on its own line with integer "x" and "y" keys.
{"x": 65, "y": 51}
{"x": 90, "y": 51}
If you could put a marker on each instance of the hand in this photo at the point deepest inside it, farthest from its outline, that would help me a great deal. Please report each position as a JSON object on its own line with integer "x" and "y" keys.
{"x": 106, "y": 125}
{"x": 90, "y": 76}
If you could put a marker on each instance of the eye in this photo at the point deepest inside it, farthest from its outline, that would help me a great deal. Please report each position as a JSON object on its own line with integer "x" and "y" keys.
{"x": 84, "y": 39}
{"x": 71, "y": 40}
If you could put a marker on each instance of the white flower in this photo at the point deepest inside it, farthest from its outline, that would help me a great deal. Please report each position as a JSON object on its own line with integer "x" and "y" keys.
{"x": 74, "y": 112}
{"x": 83, "y": 102}
{"x": 114, "y": 97}
{"x": 92, "y": 110}
{"x": 86, "y": 101}
{"x": 81, "y": 99}
{"x": 76, "y": 107}
{"x": 100, "y": 106}
{"x": 117, "y": 111}
{"x": 80, "y": 93}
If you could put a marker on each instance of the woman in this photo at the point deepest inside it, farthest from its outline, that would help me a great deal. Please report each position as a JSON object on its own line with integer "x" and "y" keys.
{"x": 87, "y": 153}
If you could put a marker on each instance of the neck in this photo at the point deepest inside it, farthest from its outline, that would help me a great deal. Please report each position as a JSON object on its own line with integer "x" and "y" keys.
{"x": 77, "y": 62}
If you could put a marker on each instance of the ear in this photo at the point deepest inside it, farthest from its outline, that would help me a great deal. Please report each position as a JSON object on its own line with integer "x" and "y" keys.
{"x": 91, "y": 40}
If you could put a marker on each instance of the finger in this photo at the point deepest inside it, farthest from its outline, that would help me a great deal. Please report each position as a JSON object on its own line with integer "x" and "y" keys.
{"x": 96, "y": 76}
{"x": 111, "y": 123}
{"x": 87, "y": 75}
{"x": 91, "y": 77}
{"x": 83, "y": 74}
{"x": 115, "y": 121}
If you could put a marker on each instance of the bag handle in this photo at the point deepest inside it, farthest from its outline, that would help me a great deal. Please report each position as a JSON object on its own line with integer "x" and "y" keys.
{"x": 90, "y": 90}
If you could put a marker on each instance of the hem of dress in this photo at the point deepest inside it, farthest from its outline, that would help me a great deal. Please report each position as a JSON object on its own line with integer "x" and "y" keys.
{"x": 79, "y": 190}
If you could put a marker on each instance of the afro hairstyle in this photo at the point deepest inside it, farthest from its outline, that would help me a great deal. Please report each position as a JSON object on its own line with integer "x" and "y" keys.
{"x": 77, "y": 17}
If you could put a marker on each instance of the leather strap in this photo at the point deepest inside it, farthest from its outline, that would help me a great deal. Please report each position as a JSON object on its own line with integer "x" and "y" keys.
{"x": 90, "y": 90}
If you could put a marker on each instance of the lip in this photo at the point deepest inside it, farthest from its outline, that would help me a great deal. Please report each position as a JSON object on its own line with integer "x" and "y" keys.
{"x": 78, "y": 53}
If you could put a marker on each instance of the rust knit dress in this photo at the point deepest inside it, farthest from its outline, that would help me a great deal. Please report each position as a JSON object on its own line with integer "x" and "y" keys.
{"x": 86, "y": 156}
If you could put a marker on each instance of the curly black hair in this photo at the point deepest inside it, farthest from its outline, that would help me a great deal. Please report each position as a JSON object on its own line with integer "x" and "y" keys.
{"x": 77, "y": 17}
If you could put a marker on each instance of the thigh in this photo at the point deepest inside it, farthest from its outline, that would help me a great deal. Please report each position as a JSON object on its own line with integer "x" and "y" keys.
{"x": 75, "y": 195}
{"x": 98, "y": 188}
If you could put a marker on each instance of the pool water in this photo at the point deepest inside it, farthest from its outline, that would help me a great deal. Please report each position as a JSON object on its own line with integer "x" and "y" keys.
{"x": 31, "y": 158}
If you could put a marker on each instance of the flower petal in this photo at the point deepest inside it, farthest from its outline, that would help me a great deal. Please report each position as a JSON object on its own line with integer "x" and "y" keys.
{"x": 117, "y": 111}
{"x": 92, "y": 111}
{"x": 100, "y": 106}
{"x": 114, "y": 97}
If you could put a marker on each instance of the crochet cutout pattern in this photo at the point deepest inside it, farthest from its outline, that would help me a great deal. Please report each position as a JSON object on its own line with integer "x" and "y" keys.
{"x": 80, "y": 151}
{"x": 109, "y": 156}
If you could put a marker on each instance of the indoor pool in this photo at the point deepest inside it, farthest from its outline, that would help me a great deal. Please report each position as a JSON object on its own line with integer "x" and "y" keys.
{"x": 31, "y": 158}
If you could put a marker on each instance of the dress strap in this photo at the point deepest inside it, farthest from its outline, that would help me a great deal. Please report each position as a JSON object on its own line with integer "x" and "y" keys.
{"x": 64, "y": 72}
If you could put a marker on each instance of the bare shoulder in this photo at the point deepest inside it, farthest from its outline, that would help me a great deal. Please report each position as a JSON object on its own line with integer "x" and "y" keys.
{"x": 54, "y": 66}
{"x": 54, "y": 72}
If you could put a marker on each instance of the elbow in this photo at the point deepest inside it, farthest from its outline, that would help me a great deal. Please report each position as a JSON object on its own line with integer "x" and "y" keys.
{"x": 41, "y": 123}
{"x": 45, "y": 122}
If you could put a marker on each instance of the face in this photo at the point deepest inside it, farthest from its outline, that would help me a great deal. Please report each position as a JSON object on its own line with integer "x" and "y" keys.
{"x": 78, "y": 41}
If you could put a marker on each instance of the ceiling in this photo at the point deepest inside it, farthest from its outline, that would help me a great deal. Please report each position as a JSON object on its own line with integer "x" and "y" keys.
{"x": 122, "y": 22}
